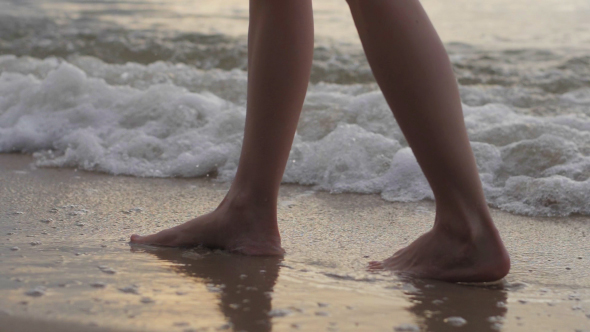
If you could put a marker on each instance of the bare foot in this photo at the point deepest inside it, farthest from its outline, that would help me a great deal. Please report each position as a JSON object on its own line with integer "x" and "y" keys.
{"x": 237, "y": 227}
{"x": 441, "y": 255}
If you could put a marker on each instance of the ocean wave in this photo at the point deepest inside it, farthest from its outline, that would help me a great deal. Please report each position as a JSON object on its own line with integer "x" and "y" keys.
{"x": 168, "y": 119}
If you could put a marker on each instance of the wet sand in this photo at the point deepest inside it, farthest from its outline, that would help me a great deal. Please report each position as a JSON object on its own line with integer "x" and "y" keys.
{"x": 75, "y": 271}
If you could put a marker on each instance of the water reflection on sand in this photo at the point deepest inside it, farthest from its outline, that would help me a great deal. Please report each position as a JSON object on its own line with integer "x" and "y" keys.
{"x": 321, "y": 285}
{"x": 244, "y": 284}
{"x": 245, "y": 287}
{"x": 482, "y": 307}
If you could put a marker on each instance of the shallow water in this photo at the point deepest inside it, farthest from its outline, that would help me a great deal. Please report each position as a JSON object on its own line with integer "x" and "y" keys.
{"x": 82, "y": 269}
{"x": 145, "y": 88}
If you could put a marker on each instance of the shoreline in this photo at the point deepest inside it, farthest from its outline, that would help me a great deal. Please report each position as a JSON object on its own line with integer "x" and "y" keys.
{"x": 320, "y": 284}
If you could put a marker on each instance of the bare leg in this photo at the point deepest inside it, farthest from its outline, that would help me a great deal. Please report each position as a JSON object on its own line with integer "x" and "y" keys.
{"x": 413, "y": 70}
{"x": 280, "y": 51}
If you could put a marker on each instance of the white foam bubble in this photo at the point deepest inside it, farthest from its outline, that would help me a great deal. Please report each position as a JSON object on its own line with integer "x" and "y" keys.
{"x": 407, "y": 328}
{"x": 455, "y": 321}
{"x": 36, "y": 292}
{"x": 164, "y": 120}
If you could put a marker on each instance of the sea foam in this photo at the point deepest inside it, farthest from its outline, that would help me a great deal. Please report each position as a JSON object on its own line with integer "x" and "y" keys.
{"x": 174, "y": 120}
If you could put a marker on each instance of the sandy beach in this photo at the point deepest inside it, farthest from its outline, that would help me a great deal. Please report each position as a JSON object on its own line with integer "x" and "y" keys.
{"x": 66, "y": 264}
{"x": 131, "y": 108}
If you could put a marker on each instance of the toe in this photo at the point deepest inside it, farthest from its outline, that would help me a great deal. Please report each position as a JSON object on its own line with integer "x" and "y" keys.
{"x": 375, "y": 265}
{"x": 135, "y": 238}
{"x": 163, "y": 238}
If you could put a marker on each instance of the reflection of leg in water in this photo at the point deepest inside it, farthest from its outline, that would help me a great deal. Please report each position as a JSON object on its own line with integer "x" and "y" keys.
{"x": 280, "y": 51}
{"x": 245, "y": 283}
{"x": 414, "y": 72}
{"x": 482, "y": 308}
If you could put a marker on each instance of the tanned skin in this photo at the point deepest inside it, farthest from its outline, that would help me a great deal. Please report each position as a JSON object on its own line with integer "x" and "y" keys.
{"x": 414, "y": 73}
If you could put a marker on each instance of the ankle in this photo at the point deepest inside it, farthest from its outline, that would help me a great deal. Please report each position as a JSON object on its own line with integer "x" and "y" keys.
{"x": 476, "y": 235}
{"x": 243, "y": 198}
{"x": 255, "y": 212}
{"x": 244, "y": 191}
{"x": 465, "y": 224}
